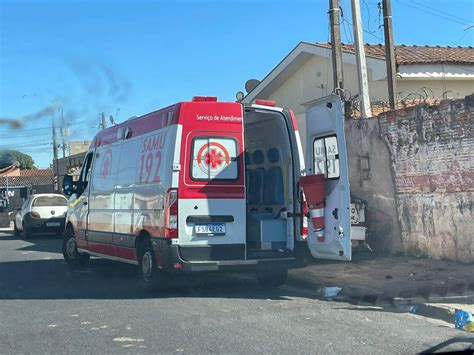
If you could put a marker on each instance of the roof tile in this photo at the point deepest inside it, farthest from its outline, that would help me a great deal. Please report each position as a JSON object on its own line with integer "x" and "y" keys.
{"x": 405, "y": 55}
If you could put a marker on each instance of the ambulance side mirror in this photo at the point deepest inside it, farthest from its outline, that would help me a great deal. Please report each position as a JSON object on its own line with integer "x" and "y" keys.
{"x": 68, "y": 185}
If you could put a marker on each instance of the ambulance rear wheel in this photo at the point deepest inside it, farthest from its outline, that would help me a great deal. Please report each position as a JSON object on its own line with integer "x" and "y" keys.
{"x": 272, "y": 278}
{"x": 150, "y": 275}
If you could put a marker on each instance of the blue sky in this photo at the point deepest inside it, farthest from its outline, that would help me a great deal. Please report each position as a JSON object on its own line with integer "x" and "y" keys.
{"x": 131, "y": 57}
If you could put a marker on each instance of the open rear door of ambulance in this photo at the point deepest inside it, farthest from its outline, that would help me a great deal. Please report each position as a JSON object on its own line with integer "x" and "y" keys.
{"x": 329, "y": 226}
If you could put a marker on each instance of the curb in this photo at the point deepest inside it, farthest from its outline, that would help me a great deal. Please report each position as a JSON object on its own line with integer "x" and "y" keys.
{"x": 440, "y": 308}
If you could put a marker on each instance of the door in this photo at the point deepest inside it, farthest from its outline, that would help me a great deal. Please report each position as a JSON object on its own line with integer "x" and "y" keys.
{"x": 212, "y": 197}
{"x": 78, "y": 205}
{"x": 326, "y": 154}
{"x": 103, "y": 179}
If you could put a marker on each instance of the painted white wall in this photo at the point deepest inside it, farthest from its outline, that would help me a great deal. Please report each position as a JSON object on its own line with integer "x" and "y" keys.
{"x": 314, "y": 80}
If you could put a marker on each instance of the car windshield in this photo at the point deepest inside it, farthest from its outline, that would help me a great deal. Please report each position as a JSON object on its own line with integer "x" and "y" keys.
{"x": 49, "y": 201}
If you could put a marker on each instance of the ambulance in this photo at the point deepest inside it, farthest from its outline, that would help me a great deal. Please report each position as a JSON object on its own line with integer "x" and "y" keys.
{"x": 210, "y": 186}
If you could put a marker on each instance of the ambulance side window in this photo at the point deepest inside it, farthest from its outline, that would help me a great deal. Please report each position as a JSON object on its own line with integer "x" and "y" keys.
{"x": 326, "y": 157}
{"x": 214, "y": 158}
{"x": 85, "y": 174}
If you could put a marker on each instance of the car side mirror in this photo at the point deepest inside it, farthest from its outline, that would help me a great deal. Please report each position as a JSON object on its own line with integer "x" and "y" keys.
{"x": 68, "y": 185}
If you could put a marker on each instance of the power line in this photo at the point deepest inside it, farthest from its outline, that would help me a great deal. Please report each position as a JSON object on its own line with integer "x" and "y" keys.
{"x": 442, "y": 12}
{"x": 435, "y": 12}
{"x": 365, "y": 31}
{"x": 344, "y": 23}
{"x": 30, "y": 130}
{"x": 47, "y": 128}
{"x": 24, "y": 136}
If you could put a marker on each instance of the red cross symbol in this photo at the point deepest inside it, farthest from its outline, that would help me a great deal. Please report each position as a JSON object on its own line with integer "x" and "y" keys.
{"x": 214, "y": 159}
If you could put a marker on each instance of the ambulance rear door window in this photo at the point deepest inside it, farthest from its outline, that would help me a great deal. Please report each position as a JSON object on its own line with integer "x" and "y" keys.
{"x": 214, "y": 158}
{"x": 326, "y": 157}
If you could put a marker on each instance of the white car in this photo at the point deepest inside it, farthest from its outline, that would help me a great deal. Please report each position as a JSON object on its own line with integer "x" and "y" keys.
{"x": 41, "y": 213}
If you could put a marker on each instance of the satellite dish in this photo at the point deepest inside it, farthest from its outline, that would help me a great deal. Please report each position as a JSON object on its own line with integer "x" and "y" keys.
{"x": 251, "y": 84}
{"x": 239, "y": 96}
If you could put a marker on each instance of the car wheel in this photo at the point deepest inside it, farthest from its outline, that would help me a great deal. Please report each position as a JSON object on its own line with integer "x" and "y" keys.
{"x": 150, "y": 276}
{"x": 272, "y": 278}
{"x": 70, "y": 253}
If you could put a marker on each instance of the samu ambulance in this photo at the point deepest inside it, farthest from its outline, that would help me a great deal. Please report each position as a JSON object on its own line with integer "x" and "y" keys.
{"x": 208, "y": 186}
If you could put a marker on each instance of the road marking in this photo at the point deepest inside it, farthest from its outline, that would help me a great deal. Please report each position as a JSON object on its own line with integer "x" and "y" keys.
{"x": 126, "y": 339}
{"x": 74, "y": 315}
{"x": 85, "y": 323}
{"x": 52, "y": 325}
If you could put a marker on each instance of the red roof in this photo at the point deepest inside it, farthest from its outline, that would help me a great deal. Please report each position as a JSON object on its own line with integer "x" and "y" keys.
{"x": 417, "y": 54}
{"x": 37, "y": 172}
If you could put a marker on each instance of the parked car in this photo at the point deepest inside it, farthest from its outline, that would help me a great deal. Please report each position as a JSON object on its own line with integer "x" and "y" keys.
{"x": 41, "y": 213}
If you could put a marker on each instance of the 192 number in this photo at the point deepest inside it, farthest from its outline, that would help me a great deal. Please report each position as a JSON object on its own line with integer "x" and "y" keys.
{"x": 147, "y": 162}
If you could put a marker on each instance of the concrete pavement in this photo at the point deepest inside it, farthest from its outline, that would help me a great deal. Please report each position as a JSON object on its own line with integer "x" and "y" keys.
{"x": 45, "y": 307}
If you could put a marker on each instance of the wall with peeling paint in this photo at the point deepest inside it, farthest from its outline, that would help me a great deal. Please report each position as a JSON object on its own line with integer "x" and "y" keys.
{"x": 431, "y": 152}
{"x": 371, "y": 180}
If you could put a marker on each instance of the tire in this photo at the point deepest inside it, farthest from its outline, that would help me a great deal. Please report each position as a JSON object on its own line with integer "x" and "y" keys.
{"x": 16, "y": 231}
{"x": 272, "y": 278}
{"x": 151, "y": 277}
{"x": 70, "y": 253}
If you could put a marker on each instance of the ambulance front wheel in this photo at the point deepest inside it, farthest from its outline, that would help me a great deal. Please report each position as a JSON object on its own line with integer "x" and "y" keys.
{"x": 272, "y": 278}
{"x": 70, "y": 253}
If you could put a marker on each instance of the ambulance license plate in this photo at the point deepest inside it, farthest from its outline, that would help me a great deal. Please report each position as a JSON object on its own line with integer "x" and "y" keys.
{"x": 210, "y": 229}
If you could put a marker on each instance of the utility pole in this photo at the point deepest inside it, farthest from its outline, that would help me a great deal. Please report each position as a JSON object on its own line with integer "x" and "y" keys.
{"x": 338, "y": 78}
{"x": 103, "y": 124}
{"x": 390, "y": 54}
{"x": 64, "y": 133}
{"x": 55, "y": 151}
{"x": 365, "y": 110}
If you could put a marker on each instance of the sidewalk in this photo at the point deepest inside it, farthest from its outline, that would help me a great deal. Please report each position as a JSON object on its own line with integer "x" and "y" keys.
{"x": 426, "y": 287}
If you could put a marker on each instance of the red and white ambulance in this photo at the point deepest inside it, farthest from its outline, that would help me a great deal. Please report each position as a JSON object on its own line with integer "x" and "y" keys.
{"x": 208, "y": 185}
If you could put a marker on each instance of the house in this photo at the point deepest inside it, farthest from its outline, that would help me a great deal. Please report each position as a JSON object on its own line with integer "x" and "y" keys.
{"x": 423, "y": 72}
{"x": 410, "y": 166}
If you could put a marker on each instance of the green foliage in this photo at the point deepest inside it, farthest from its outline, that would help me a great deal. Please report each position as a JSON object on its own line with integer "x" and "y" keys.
{"x": 8, "y": 156}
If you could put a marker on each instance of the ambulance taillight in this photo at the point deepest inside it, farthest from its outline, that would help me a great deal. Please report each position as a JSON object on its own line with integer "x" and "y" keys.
{"x": 171, "y": 217}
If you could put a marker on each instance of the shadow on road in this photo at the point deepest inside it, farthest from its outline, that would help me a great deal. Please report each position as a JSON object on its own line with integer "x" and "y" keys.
{"x": 49, "y": 243}
{"x": 103, "y": 279}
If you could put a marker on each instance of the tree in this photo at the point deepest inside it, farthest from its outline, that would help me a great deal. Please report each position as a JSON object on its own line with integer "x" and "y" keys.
{"x": 7, "y": 157}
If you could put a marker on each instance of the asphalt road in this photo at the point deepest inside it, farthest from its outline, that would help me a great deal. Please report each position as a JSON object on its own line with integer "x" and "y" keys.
{"x": 45, "y": 307}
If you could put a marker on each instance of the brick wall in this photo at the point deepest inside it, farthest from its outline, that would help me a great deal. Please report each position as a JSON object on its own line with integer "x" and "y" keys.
{"x": 431, "y": 150}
